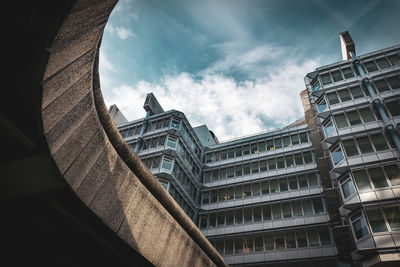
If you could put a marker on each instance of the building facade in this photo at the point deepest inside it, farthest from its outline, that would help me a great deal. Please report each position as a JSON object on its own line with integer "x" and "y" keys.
{"x": 324, "y": 190}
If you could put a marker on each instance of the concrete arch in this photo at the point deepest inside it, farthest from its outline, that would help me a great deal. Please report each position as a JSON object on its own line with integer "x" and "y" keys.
{"x": 89, "y": 152}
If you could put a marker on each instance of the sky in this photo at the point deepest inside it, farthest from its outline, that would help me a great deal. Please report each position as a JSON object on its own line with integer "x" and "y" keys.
{"x": 236, "y": 66}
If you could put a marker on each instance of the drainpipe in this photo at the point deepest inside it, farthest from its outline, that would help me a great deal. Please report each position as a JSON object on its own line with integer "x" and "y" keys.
{"x": 142, "y": 130}
{"x": 377, "y": 102}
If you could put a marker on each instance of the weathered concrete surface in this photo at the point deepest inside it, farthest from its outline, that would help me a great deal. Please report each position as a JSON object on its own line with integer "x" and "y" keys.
{"x": 94, "y": 159}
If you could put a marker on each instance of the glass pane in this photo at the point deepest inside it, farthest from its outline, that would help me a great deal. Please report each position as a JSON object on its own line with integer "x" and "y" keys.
{"x": 336, "y": 76}
{"x": 229, "y": 217}
{"x": 350, "y": 148}
{"x": 266, "y": 210}
{"x": 289, "y": 161}
{"x": 347, "y": 73}
{"x": 269, "y": 242}
{"x": 354, "y": 118}
{"x": 247, "y": 215}
{"x": 238, "y": 245}
{"x": 382, "y": 63}
{"x": 364, "y": 144}
{"x": 238, "y": 192}
{"x": 328, "y": 129}
{"x": 393, "y": 217}
{"x": 278, "y": 143}
{"x": 246, "y": 169}
{"x": 261, "y": 146}
{"x": 231, "y": 153}
{"x": 303, "y": 181}
{"x": 301, "y": 239}
{"x": 256, "y": 189}
{"x": 276, "y": 211}
{"x": 360, "y": 227}
{"x": 254, "y": 167}
{"x": 263, "y": 166}
{"x": 381, "y": 86}
{"x": 254, "y": 148}
{"x": 379, "y": 142}
{"x": 367, "y": 115}
{"x": 229, "y": 193}
{"x": 347, "y": 188}
{"x": 212, "y": 220}
{"x": 274, "y": 186}
{"x": 270, "y": 145}
{"x": 247, "y": 190}
{"x": 283, "y": 187}
{"x": 264, "y": 188}
{"x": 238, "y": 216}
{"x": 238, "y": 171}
{"x": 258, "y": 243}
{"x": 228, "y": 246}
{"x": 297, "y": 211}
{"x": 344, "y": 95}
{"x": 318, "y": 206}
{"x": 376, "y": 221}
{"x": 370, "y": 66}
{"x": 356, "y": 92}
{"x": 298, "y": 159}
{"x": 221, "y": 195}
{"x": 393, "y": 173}
{"x": 224, "y": 154}
{"x": 290, "y": 240}
{"x": 313, "y": 238}
{"x": 203, "y": 221}
{"x": 238, "y": 151}
{"x": 341, "y": 121}
{"x": 248, "y": 245}
{"x": 246, "y": 150}
{"x": 361, "y": 179}
{"x": 221, "y": 219}
{"x": 326, "y": 78}
{"x": 280, "y": 162}
{"x": 287, "y": 210}
{"x": 337, "y": 156}
{"x": 293, "y": 183}
{"x": 394, "y": 108}
{"x": 312, "y": 179}
{"x": 303, "y": 138}
{"x": 286, "y": 141}
{"x": 214, "y": 196}
{"x": 295, "y": 139}
{"x": 394, "y": 82}
{"x": 307, "y": 207}
{"x": 377, "y": 177}
{"x": 324, "y": 236}
{"x": 394, "y": 59}
{"x": 279, "y": 242}
{"x": 271, "y": 164}
{"x": 332, "y": 98}
{"x": 206, "y": 197}
{"x": 257, "y": 214}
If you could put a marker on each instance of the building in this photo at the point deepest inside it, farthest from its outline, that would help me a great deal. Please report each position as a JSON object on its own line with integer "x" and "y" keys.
{"x": 324, "y": 190}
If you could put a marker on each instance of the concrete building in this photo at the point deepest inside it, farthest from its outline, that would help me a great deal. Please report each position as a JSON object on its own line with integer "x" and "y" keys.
{"x": 323, "y": 190}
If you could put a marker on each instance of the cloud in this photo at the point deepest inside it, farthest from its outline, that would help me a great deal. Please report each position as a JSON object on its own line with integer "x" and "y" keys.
{"x": 121, "y": 32}
{"x": 229, "y": 108}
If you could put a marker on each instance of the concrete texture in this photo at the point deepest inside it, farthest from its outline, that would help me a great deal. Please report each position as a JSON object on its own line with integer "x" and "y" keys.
{"x": 95, "y": 160}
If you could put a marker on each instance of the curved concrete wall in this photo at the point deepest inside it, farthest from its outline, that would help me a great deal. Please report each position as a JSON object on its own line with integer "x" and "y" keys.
{"x": 94, "y": 159}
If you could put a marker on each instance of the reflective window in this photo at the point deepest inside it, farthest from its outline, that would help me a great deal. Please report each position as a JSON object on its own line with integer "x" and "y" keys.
{"x": 382, "y": 63}
{"x": 344, "y": 95}
{"x": 265, "y": 188}
{"x": 359, "y": 226}
{"x": 329, "y": 128}
{"x": 301, "y": 239}
{"x": 347, "y": 73}
{"x": 376, "y": 221}
{"x": 337, "y": 155}
{"x": 381, "y": 86}
{"x": 347, "y": 187}
{"x": 276, "y": 211}
{"x": 361, "y": 180}
{"x": 364, "y": 144}
{"x": 290, "y": 240}
{"x": 377, "y": 177}
{"x": 332, "y": 98}
{"x": 350, "y": 148}
{"x": 394, "y": 108}
{"x": 341, "y": 121}
{"x": 367, "y": 115}
{"x": 266, "y": 213}
{"x": 354, "y": 118}
{"x": 370, "y": 66}
{"x": 336, "y": 76}
{"x": 313, "y": 238}
{"x": 257, "y": 214}
{"x": 324, "y": 236}
{"x": 393, "y": 173}
{"x": 394, "y": 82}
{"x": 356, "y": 92}
{"x": 326, "y": 78}
{"x": 393, "y": 217}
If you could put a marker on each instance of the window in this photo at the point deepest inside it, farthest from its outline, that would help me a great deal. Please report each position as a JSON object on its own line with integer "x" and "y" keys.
{"x": 270, "y": 145}
{"x": 279, "y": 241}
{"x": 238, "y": 245}
{"x": 350, "y": 148}
{"x": 354, "y": 118}
{"x": 347, "y": 73}
{"x": 289, "y": 161}
{"x": 214, "y": 196}
{"x": 295, "y": 139}
{"x": 263, "y": 166}
{"x": 206, "y": 197}
{"x": 359, "y": 225}
{"x": 231, "y": 172}
{"x": 212, "y": 220}
{"x": 332, "y": 98}
{"x": 222, "y": 195}
{"x": 382, "y": 63}
{"x": 229, "y": 217}
{"x": 264, "y": 188}
{"x": 239, "y": 151}
{"x": 293, "y": 183}
{"x": 175, "y": 124}
{"x": 247, "y": 215}
{"x": 394, "y": 108}
{"x": 312, "y": 179}
{"x": 258, "y": 243}
{"x": 221, "y": 219}
{"x": 246, "y": 150}
{"x": 329, "y": 128}
{"x": 257, "y": 214}
{"x": 283, "y": 185}
{"x": 367, "y": 115}
{"x": 278, "y": 143}
{"x": 287, "y": 210}
{"x": 238, "y": 216}
{"x": 356, "y": 92}
{"x": 167, "y": 163}
{"x": 303, "y": 138}
{"x": 271, "y": 164}
{"x": 394, "y": 59}
{"x": 344, "y": 95}
{"x": 276, "y": 211}
{"x": 171, "y": 142}
{"x": 156, "y": 162}
{"x": 274, "y": 186}
{"x": 394, "y": 82}
{"x": 298, "y": 158}
{"x": 246, "y": 169}
{"x": 297, "y": 211}
{"x": 324, "y": 236}
{"x": 377, "y": 177}
{"x": 393, "y": 217}
{"x": 302, "y": 181}
{"x": 326, "y": 78}
{"x": 238, "y": 192}
{"x": 230, "y": 193}
{"x": 238, "y": 170}
{"x": 376, "y": 221}
{"x": 361, "y": 180}
{"x": 203, "y": 221}
{"x": 261, "y": 146}
{"x": 286, "y": 141}
{"x": 269, "y": 242}
{"x": 370, "y": 66}
{"x": 256, "y": 189}
{"x": 393, "y": 173}
{"x": 281, "y": 163}
{"x": 337, "y": 155}
{"x": 316, "y": 86}
{"x": 254, "y": 148}
{"x": 313, "y": 238}
{"x": 254, "y": 167}
{"x": 266, "y": 213}
{"x": 247, "y": 190}
{"x": 307, "y": 207}
{"x": 290, "y": 240}
{"x": 336, "y": 76}
{"x": 381, "y": 86}
{"x": 379, "y": 142}
{"x": 301, "y": 239}
{"x": 347, "y": 187}
{"x": 341, "y": 121}
{"x": 318, "y": 206}
{"x": 365, "y": 145}
{"x": 224, "y": 155}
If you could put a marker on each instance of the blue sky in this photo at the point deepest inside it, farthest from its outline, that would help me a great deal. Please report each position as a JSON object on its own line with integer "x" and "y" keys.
{"x": 237, "y": 66}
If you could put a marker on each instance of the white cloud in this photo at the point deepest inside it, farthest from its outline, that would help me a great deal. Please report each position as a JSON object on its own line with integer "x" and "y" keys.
{"x": 121, "y": 32}
{"x": 228, "y": 108}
